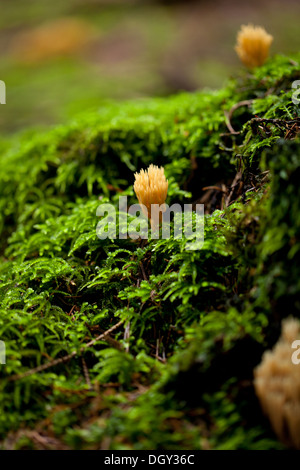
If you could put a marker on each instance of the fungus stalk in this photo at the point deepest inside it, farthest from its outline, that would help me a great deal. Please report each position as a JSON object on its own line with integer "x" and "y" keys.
{"x": 151, "y": 187}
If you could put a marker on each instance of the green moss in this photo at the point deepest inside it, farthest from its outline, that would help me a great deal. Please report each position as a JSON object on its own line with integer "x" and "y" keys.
{"x": 207, "y": 315}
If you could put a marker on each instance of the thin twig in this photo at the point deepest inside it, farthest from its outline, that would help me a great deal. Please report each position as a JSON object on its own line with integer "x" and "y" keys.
{"x": 66, "y": 358}
{"x": 217, "y": 188}
{"x": 86, "y": 373}
{"x": 228, "y": 114}
{"x": 235, "y": 182}
{"x": 143, "y": 271}
{"x": 276, "y": 122}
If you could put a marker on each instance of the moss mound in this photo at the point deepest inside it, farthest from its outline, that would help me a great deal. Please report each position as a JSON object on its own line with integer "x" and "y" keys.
{"x": 186, "y": 327}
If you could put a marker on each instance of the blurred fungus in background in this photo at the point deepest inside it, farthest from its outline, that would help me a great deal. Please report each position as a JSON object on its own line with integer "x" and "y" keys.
{"x": 58, "y": 38}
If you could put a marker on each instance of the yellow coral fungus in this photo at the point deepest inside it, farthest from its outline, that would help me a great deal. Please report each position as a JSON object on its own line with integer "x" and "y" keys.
{"x": 151, "y": 187}
{"x": 253, "y": 44}
{"x": 58, "y": 38}
{"x": 277, "y": 385}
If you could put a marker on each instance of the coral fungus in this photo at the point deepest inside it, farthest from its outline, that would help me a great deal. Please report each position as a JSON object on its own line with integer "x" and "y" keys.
{"x": 151, "y": 187}
{"x": 277, "y": 385}
{"x": 253, "y": 44}
{"x": 58, "y": 38}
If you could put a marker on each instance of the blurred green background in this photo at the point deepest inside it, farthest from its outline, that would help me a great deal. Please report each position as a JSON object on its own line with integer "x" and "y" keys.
{"x": 60, "y": 57}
